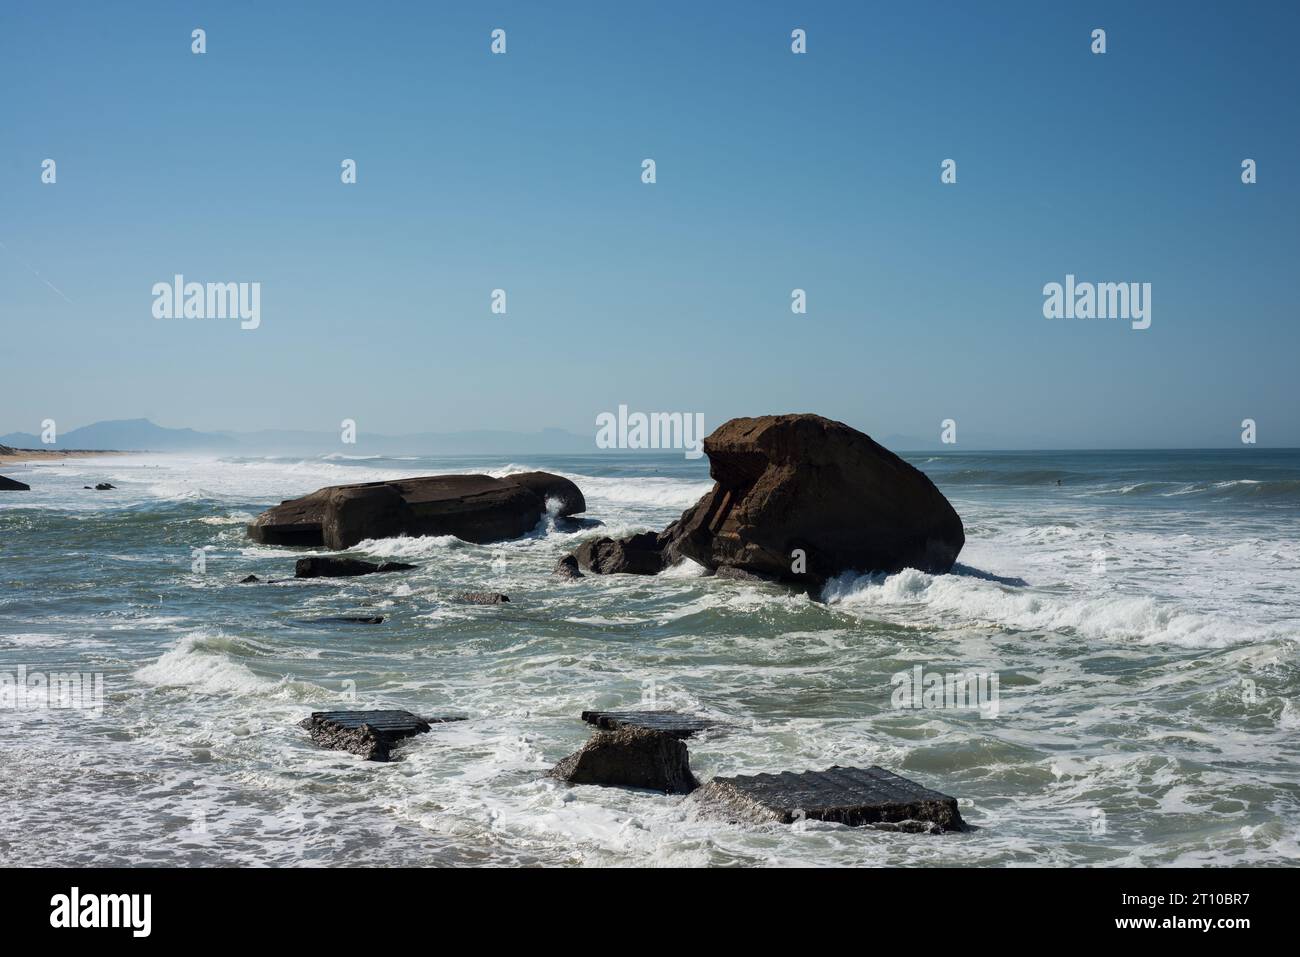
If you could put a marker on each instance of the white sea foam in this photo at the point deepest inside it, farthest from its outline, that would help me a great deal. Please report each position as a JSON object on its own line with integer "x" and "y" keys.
{"x": 197, "y": 662}
{"x": 1121, "y": 691}
{"x": 230, "y": 518}
{"x": 685, "y": 569}
{"x": 645, "y": 491}
{"x": 34, "y": 639}
{"x": 406, "y": 547}
{"x": 958, "y": 599}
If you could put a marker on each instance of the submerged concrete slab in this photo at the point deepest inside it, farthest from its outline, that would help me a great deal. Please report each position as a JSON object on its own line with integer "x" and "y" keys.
{"x": 371, "y": 734}
{"x": 631, "y": 758}
{"x": 672, "y": 723}
{"x": 853, "y": 796}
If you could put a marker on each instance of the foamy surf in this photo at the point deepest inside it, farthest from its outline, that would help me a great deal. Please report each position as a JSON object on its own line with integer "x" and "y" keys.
{"x": 1146, "y": 646}
{"x": 957, "y": 600}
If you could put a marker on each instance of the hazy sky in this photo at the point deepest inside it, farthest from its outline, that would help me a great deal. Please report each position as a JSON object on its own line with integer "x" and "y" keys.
{"x": 775, "y": 171}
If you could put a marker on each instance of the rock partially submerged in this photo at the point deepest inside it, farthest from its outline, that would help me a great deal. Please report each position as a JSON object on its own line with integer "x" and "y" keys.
{"x": 371, "y": 734}
{"x": 797, "y": 498}
{"x": 346, "y": 620}
{"x": 13, "y": 485}
{"x": 483, "y": 598}
{"x": 641, "y": 554}
{"x": 632, "y": 758}
{"x": 325, "y": 566}
{"x": 566, "y": 569}
{"x": 672, "y": 723}
{"x": 476, "y": 508}
{"x": 853, "y": 796}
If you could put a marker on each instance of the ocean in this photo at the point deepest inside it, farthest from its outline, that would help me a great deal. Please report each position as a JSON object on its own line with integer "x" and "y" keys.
{"x": 1138, "y": 609}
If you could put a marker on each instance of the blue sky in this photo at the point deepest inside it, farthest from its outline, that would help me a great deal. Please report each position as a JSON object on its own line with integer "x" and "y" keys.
{"x": 775, "y": 171}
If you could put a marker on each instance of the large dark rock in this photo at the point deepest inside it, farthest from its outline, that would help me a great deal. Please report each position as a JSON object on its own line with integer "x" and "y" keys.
{"x": 355, "y": 513}
{"x": 13, "y": 485}
{"x": 852, "y": 796}
{"x": 641, "y": 554}
{"x": 632, "y": 758}
{"x": 804, "y": 482}
{"x": 293, "y": 522}
{"x": 476, "y": 508}
{"x": 798, "y": 498}
{"x": 559, "y": 496}
{"x": 326, "y": 566}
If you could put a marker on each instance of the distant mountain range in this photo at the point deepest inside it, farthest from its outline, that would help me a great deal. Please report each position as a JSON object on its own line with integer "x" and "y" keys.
{"x": 123, "y": 435}
{"x": 141, "y": 435}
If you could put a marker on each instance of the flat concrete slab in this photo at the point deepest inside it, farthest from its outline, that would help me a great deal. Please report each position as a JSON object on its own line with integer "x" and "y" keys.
{"x": 854, "y": 796}
{"x": 371, "y": 734}
{"x": 672, "y": 723}
{"x": 632, "y": 758}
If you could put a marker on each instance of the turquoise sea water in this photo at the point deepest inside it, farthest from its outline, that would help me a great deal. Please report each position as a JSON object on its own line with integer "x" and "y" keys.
{"x": 1139, "y": 609}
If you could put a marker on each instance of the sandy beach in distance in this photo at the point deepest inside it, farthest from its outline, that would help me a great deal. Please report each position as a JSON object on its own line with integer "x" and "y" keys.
{"x": 20, "y": 456}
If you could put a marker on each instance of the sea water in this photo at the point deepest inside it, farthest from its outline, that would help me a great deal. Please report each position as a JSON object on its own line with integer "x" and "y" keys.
{"x": 1138, "y": 610}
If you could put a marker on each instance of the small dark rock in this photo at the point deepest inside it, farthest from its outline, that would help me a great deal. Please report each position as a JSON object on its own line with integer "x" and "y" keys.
{"x": 576, "y": 523}
{"x": 322, "y": 566}
{"x": 631, "y": 758}
{"x": 348, "y": 619}
{"x": 636, "y": 555}
{"x": 104, "y": 487}
{"x": 249, "y": 580}
{"x": 566, "y": 569}
{"x": 483, "y": 597}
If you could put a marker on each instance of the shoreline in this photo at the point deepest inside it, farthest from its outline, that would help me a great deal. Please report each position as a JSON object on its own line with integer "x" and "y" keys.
{"x": 24, "y": 456}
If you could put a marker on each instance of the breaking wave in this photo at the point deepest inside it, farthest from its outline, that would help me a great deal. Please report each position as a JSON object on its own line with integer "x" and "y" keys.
{"x": 961, "y": 600}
